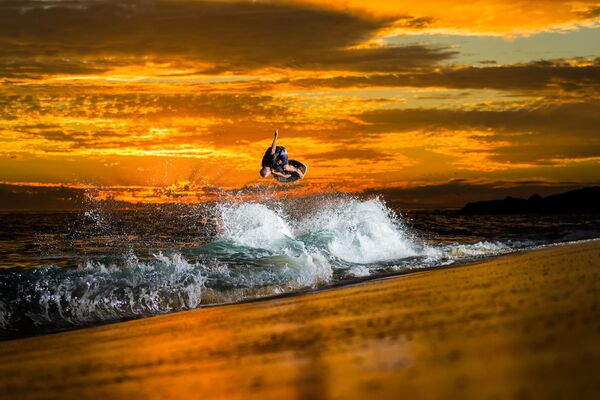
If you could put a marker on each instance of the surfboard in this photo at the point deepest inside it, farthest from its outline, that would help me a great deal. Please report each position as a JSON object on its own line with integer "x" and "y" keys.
{"x": 294, "y": 175}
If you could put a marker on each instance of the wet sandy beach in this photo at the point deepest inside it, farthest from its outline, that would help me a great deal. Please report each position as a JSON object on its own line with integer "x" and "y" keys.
{"x": 521, "y": 326}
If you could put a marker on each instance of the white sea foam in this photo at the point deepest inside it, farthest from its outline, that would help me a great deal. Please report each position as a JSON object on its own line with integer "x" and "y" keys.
{"x": 462, "y": 251}
{"x": 308, "y": 270}
{"x": 4, "y": 316}
{"x": 100, "y": 292}
{"x": 252, "y": 224}
{"x": 360, "y": 231}
{"x": 259, "y": 250}
{"x": 352, "y": 230}
{"x": 257, "y": 226}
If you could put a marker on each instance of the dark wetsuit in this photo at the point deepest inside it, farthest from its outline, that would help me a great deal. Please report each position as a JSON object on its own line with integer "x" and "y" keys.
{"x": 275, "y": 161}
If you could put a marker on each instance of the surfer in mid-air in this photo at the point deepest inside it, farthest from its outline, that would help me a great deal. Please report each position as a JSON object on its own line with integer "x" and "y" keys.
{"x": 275, "y": 161}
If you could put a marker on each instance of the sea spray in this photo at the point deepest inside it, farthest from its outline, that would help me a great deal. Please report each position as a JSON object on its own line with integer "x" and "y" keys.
{"x": 255, "y": 227}
{"x": 252, "y": 249}
{"x": 360, "y": 232}
{"x": 57, "y": 297}
{"x": 252, "y": 224}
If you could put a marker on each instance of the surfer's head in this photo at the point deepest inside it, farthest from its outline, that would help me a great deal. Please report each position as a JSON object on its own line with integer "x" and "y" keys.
{"x": 265, "y": 171}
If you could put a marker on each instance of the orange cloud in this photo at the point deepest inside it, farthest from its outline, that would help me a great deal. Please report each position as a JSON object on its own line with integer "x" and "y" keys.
{"x": 505, "y": 17}
{"x": 159, "y": 101}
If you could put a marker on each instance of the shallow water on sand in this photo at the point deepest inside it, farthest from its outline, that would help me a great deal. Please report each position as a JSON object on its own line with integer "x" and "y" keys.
{"x": 69, "y": 269}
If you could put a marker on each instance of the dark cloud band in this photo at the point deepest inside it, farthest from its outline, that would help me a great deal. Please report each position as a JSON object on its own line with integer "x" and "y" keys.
{"x": 230, "y": 36}
{"x": 532, "y": 76}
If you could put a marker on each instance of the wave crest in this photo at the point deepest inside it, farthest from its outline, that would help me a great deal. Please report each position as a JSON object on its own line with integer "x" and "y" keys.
{"x": 259, "y": 250}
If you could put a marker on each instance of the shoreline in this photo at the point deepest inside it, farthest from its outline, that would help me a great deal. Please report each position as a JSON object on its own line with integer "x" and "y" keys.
{"x": 391, "y": 275}
{"x": 524, "y": 324}
{"x": 327, "y": 287}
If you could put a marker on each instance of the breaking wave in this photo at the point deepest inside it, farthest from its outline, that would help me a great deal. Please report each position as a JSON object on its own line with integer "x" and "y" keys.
{"x": 258, "y": 250}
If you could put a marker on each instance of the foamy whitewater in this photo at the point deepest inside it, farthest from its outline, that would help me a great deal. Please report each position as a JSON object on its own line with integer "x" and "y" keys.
{"x": 258, "y": 249}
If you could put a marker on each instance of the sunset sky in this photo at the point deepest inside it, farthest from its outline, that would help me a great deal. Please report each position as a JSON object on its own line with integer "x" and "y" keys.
{"x": 140, "y": 98}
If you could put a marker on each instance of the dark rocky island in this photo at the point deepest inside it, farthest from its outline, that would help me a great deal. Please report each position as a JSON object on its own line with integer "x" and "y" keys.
{"x": 585, "y": 200}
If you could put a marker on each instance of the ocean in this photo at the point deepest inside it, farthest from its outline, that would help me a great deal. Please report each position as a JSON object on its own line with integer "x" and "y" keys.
{"x": 63, "y": 270}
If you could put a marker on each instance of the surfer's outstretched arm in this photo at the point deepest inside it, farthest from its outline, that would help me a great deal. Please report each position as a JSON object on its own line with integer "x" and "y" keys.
{"x": 274, "y": 145}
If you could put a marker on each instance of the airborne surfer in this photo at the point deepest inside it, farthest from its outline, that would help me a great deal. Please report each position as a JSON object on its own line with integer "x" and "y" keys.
{"x": 275, "y": 161}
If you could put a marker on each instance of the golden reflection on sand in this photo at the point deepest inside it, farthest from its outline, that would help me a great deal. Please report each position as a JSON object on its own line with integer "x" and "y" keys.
{"x": 521, "y": 326}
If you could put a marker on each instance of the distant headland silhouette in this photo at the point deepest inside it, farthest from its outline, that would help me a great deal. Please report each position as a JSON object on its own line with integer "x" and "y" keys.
{"x": 582, "y": 201}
